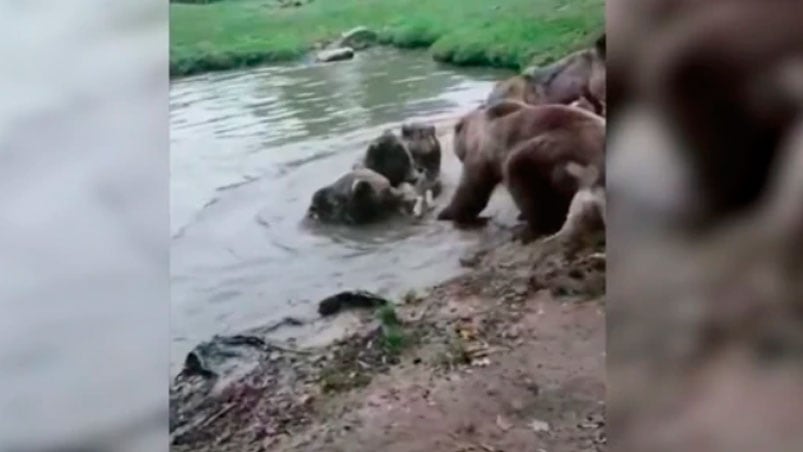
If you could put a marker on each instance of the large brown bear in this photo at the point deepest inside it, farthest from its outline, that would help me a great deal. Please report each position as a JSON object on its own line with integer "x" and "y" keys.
{"x": 527, "y": 148}
{"x": 587, "y": 208}
{"x": 587, "y": 103}
{"x": 578, "y": 75}
{"x": 519, "y": 88}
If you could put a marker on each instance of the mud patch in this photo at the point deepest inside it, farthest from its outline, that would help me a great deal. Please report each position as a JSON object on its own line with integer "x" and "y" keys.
{"x": 502, "y": 358}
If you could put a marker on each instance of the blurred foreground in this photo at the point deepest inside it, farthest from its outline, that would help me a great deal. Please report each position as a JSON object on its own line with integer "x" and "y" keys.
{"x": 84, "y": 226}
{"x": 705, "y": 326}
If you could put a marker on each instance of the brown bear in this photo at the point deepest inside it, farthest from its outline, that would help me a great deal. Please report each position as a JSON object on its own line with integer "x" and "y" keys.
{"x": 519, "y": 88}
{"x": 410, "y": 162}
{"x": 580, "y": 74}
{"x": 586, "y": 219}
{"x": 422, "y": 142}
{"x": 527, "y": 148}
{"x": 596, "y": 91}
{"x": 362, "y": 196}
{"x": 589, "y": 103}
{"x": 587, "y": 208}
{"x": 424, "y": 147}
{"x": 388, "y": 155}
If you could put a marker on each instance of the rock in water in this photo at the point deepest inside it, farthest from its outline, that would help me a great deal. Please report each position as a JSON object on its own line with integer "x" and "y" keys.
{"x": 338, "y": 54}
{"x": 349, "y": 300}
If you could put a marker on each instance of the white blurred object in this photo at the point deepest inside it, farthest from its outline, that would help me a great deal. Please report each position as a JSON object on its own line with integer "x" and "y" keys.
{"x": 644, "y": 171}
{"x": 84, "y": 224}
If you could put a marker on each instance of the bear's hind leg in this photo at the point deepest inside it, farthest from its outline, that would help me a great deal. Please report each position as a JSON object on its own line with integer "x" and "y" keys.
{"x": 472, "y": 195}
{"x": 543, "y": 210}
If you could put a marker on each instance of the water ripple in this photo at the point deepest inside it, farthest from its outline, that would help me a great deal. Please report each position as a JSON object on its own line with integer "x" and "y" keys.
{"x": 248, "y": 150}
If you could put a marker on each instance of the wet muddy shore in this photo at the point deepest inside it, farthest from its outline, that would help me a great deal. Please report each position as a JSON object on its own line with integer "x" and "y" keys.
{"x": 465, "y": 339}
{"x": 507, "y": 356}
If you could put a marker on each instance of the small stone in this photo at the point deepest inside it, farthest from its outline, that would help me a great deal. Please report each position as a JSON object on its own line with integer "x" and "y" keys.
{"x": 503, "y": 424}
{"x": 512, "y": 333}
{"x": 532, "y": 387}
{"x": 539, "y": 426}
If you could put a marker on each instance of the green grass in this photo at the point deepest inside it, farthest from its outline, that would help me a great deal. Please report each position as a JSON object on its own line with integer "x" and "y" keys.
{"x": 387, "y": 316}
{"x": 503, "y": 33}
{"x": 394, "y": 340}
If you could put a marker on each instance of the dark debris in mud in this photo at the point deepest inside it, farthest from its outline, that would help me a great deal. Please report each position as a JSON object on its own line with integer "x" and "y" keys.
{"x": 580, "y": 275}
{"x": 510, "y": 272}
{"x": 269, "y": 388}
{"x": 272, "y": 390}
{"x": 357, "y": 299}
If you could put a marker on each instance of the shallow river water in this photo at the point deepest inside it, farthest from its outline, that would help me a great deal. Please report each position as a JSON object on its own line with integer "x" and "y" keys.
{"x": 248, "y": 149}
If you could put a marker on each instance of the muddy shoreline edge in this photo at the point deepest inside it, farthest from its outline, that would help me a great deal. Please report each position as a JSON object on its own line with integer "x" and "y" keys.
{"x": 306, "y": 399}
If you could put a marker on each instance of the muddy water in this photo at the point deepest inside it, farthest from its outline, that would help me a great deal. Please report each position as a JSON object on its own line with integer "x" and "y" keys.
{"x": 249, "y": 148}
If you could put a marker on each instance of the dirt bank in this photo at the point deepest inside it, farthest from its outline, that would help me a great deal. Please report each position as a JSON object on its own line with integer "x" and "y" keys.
{"x": 508, "y": 357}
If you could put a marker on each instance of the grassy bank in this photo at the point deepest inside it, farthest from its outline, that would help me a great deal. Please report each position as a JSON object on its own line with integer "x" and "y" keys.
{"x": 502, "y": 33}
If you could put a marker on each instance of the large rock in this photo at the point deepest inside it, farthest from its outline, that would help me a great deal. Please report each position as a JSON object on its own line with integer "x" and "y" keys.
{"x": 337, "y": 54}
{"x": 357, "y": 38}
